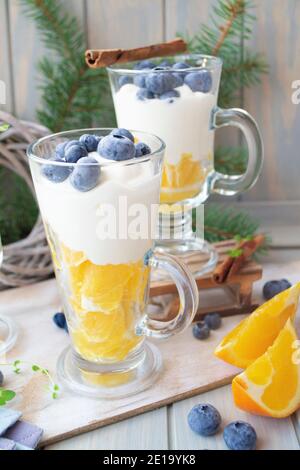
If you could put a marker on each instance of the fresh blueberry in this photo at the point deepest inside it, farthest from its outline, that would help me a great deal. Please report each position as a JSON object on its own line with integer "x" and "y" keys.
{"x": 164, "y": 63}
{"x": 116, "y": 147}
{"x": 142, "y": 149}
{"x": 169, "y": 95}
{"x": 180, "y": 66}
{"x": 179, "y": 77}
{"x": 199, "y": 81}
{"x": 213, "y": 321}
{"x": 123, "y": 133}
{"x": 240, "y": 436}
{"x": 204, "y": 419}
{"x": 140, "y": 80}
{"x": 90, "y": 141}
{"x": 201, "y": 330}
{"x": 144, "y": 64}
{"x": 144, "y": 94}
{"x": 159, "y": 83}
{"x": 70, "y": 143}
{"x": 56, "y": 173}
{"x": 1, "y": 379}
{"x": 60, "y": 320}
{"x": 272, "y": 288}
{"x": 60, "y": 149}
{"x": 124, "y": 80}
{"x": 85, "y": 176}
{"x": 75, "y": 152}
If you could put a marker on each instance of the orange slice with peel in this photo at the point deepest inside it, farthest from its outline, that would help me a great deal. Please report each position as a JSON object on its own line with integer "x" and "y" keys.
{"x": 270, "y": 386}
{"x": 252, "y": 337}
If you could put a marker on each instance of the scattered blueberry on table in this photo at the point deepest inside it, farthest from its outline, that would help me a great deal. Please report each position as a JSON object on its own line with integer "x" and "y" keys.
{"x": 201, "y": 330}
{"x": 240, "y": 436}
{"x": 204, "y": 419}
{"x": 60, "y": 320}
{"x": 1, "y": 378}
{"x": 213, "y": 320}
{"x": 272, "y": 288}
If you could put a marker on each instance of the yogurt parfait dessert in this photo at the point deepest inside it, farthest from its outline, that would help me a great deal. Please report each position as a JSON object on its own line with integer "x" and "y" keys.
{"x": 172, "y": 99}
{"x": 98, "y": 192}
{"x": 103, "y": 278}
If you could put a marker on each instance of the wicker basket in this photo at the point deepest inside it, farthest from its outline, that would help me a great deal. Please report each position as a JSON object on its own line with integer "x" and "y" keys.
{"x": 25, "y": 261}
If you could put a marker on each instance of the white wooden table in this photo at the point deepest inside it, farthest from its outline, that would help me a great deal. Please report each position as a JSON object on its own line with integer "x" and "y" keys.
{"x": 167, "y": 428}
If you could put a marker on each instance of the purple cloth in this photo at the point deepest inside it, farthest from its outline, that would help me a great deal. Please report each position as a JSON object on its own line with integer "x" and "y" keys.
{"x": 8, "y": 417}
{"x": 7, "y": 444}
{"x": 25, "y": 433}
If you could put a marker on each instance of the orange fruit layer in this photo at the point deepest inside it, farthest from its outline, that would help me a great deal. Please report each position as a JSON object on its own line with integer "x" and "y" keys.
{"x": 251, "y": 338}
{"x": 270, "y": 386}
{"x": 176, "y": 179}
{"x": 108, "y": 301}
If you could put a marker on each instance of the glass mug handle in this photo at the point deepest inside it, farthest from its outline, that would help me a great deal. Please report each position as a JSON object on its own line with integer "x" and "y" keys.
{"x": 228, "y": 185}
{"x": 188, "y": 296}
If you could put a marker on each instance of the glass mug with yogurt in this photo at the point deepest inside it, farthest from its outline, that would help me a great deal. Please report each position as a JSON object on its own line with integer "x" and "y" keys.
{"x": 98, "y": 208}
{"x": 176, "y": 99}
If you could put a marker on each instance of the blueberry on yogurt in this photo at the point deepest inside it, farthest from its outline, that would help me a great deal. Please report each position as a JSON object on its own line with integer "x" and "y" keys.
{"x": 60, "y": 149}
{"x": 116, "y": 147}
{"x": 75, "y": 152}
{"x": 140, "y": 80}
{"x": 123, "y": 132}
{"x": 85, "y": 175}
{"x": 56, "y": 173}
{"x": 159, "y": 83}
{"x": 180, "y": 66}
{"x": 144, "y": 94}
{"x": 124, "y": 80}
{"x": 90, "y": 141}
{"x": 144, "y": 64}
{"x": 199, "y": 81}
{"x": 141, "y": 149}
{"x": 169, "y": 95}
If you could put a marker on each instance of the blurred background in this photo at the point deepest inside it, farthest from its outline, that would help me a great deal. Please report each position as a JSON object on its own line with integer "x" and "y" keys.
{"x": 128, "y": 23}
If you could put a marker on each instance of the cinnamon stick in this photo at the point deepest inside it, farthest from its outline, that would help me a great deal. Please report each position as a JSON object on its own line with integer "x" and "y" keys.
{"x": 231, "y": 264}
{"x": 96, "y": 58}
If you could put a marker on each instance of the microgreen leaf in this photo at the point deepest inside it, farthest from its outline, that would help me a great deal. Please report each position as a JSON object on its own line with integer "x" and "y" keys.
{"x": 235, "y": 253}
{"x": 4, "y": 127}
{"x": 6, "y": 395}
{"x": 35, "y": 368}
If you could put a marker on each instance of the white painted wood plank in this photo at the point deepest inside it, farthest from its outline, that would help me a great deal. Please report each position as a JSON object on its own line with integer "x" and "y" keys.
{"x": 186, "y": 16}
{"x": 5, "y": 59}
{"x": 277, "y": 35}
{"x": 296, "y": 421}
{"x": 145, "y": 432}
{"x": 124, "y": 23}
{"x": 27, "y": 50}
{"x": 273, "y": 434}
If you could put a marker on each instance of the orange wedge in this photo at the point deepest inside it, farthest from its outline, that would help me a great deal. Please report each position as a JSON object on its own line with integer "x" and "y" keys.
{"x": 270, "y": 386}
{"x": 251, "y": 338}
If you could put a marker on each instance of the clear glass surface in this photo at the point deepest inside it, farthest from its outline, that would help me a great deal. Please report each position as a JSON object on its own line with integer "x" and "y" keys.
{"x": 104, "y": 280}
{"x": 186, "y": 120}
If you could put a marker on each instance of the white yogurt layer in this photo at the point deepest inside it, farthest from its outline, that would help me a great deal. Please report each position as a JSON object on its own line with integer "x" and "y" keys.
{"x": 90, "y": 221}
{"x": 183, "y": 124}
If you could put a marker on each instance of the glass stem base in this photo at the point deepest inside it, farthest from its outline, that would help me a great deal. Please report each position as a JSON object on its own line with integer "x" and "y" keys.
{"x": 107, "y": 381}
{"x": 175, "y": 236}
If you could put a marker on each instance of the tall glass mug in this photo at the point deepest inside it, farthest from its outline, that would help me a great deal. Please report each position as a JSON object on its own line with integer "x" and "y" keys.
{"x": 176, "y": 99}
{"x": 98, "y": 216}
{"x": 8, "y": 329}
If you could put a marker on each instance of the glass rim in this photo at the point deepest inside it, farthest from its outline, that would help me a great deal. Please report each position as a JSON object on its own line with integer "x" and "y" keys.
{"x": 132, "y": 161}
{"x": 215, "y": 62}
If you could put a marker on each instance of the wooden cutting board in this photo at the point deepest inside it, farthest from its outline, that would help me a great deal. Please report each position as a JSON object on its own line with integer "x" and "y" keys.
{"x": 189, "y": 368}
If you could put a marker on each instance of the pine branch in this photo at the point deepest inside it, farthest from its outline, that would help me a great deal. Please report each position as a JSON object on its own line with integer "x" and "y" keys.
{"x": 231, "y": 160}
{"x": 73, "y": 96}
{"x": 231, "y": 26}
